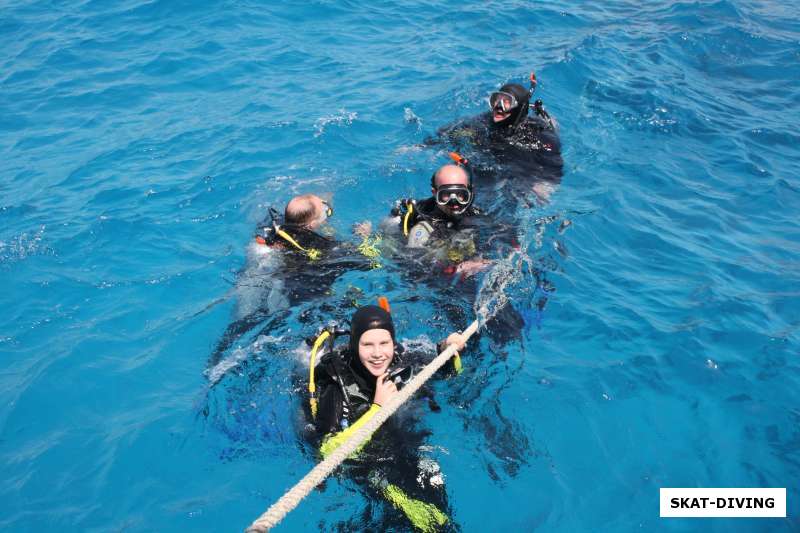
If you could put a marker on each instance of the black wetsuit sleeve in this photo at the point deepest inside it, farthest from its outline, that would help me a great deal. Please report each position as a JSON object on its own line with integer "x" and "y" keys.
{"x": 458, "y": 134}
{"x": 347, "y": 257}
{"x": 541, "y": 133}
{"x": 548, "y": 137}
{"x": 329, "y": 415}
{"x": 441, "y": 136}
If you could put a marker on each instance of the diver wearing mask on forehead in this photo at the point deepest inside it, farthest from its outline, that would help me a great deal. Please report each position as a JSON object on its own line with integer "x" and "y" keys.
{"x": 507, "y": 142}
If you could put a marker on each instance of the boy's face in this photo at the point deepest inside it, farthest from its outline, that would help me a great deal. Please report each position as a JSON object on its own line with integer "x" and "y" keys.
{"x": 376, "y": 351}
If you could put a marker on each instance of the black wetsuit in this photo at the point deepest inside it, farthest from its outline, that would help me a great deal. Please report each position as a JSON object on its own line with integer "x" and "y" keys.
{"x": 427, "y": 210}
{"x": 520, "y": 152}
{"x": 524, "y": 154}
{"x": 393, "y": 455}
{"x": 453, "y": 241}
{"x": 305, "y": 278}
{"x": 532, "y": 148}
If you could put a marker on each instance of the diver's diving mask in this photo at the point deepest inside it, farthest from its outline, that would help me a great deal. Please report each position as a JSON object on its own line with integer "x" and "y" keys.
{"x": 453, "y": 195}
{"x": 503, "y": 101}
{"x": 323, "y": 228}
{"x": 327, "y": 212}
{"x": 328, "y": 209}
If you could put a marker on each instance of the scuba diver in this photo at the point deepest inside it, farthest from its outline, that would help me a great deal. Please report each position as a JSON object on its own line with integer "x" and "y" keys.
{"x": 509, "y": 144}
{"x": 448, "y": 240}
{"x": 293, "y": 259}
{"x": 445, "y": 227}
{"x": 300, "y": 237}
{"x": 354, "y": 381}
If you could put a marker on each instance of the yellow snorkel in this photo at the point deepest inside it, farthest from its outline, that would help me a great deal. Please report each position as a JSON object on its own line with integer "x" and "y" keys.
{"x": 407, "y": 218}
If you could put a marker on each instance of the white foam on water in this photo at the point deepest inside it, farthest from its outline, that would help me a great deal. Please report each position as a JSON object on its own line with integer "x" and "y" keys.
{"x": 508, "y": 271}
{"x": 218, "y": 371}
{"x": 409, "y": 117}
{"x": 258, "y": 283}
{"x": 420, "y": 344}
{"x": 341, "y": 117}
{"x": 22, "y": 246}
{"x": 493, "y": 292}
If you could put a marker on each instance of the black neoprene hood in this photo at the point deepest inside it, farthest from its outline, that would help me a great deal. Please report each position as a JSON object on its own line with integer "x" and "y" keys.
{"x": 519, "y": 113}
{"x": 367, "y": 318}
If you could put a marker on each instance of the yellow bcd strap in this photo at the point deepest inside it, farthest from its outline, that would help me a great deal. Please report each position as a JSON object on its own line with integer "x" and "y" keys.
{"x": 312, "y": 253}
{"x": 407, "y": 218}
{"x": 333, "y": 441}
{"x": 312, "y": 387}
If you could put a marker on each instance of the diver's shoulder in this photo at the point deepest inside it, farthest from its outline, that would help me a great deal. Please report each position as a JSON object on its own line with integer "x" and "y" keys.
{"x": 426, "y": 205}
{"x": 539, "y": 123}
{"x": 538, "y": 130}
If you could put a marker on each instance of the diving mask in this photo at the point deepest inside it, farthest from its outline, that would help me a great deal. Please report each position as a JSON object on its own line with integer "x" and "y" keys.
{"x": 327, "y": 212}
{"x": 503, "y": 101}
{"x": 453, "y": 195}
{"x": 328, "y": 209}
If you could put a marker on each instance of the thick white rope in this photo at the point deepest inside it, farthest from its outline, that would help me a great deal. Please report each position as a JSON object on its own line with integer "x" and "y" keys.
{"x": 290, "y": 499}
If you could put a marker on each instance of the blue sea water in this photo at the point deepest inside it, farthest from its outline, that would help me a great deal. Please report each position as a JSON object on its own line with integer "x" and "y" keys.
{"x": 141, "y": 141}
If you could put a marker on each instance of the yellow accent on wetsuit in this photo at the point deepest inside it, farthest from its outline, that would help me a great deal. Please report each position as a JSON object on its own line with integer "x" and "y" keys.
{"x": 460, "y": 249}
{"x": 334, "y": 440}
{"x": 464, "y": 133}
{"x": 426, "y": 517}
{"x": 312, "y": 387}
{"x": 407, "y": 217}
{"x": 369, "y": 249}
{"x": 312, "y": 253}
{"x": 457, "y": 363}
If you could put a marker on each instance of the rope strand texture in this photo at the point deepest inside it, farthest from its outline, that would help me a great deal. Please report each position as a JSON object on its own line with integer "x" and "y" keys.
{"x": 295, "y": 495}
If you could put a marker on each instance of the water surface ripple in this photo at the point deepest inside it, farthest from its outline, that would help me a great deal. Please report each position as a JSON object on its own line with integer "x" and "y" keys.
{"x": 141, "y": 140}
